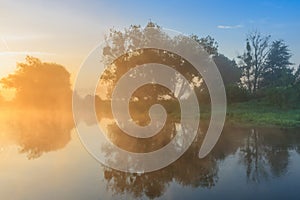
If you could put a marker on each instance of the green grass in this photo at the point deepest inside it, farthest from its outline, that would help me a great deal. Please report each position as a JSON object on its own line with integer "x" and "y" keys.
{"x": 253, "y": 113}
{"x": 258, "y": 113}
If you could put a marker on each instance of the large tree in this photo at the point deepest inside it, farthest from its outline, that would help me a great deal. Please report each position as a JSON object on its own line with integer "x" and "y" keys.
{"x": 254, "y": 59}
{"x": 136, "y": 36}
{"x": 40, "y": 85}
{"x": 277, "y": 70}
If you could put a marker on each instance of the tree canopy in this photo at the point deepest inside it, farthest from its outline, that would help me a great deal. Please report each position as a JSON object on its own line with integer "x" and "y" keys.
{"x": 277, "y": 69}
{"x": 40, "y": 84}
{"x": 254, "y": 59}
{"x": 135, "y": 36}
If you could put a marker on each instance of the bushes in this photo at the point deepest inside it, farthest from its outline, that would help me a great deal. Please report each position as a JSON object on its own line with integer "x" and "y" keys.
{"x": 280, "y": 97}
{"x": 236, "y": 94}
{"x": 283, "y": 97}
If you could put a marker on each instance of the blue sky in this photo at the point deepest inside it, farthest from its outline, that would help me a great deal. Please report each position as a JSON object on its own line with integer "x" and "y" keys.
{"x": 65, "y": 31}
{"x": 227, "y": 21}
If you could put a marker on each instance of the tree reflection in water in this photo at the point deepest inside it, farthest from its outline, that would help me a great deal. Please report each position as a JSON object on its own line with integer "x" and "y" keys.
{"x": 266, "y": 153}
{"x": 37, "y": 132}
{"x": 263, "y": 151}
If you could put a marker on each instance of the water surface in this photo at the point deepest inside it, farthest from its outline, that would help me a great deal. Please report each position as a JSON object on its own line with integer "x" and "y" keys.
{"x": 41, "y": 157}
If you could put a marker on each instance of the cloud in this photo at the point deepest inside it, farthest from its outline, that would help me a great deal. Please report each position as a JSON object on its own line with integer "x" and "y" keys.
{"x": 230, "y": 27}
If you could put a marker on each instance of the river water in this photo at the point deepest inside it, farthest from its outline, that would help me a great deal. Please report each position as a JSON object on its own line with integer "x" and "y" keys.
{"x": 43, "y": 158}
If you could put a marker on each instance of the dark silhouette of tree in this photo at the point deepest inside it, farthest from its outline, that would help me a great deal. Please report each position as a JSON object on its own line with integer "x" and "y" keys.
{"x": 208, "y": 43}
{"x": 254, "y": 59}
{"x": 246, "y": 66}
{"x": 229, "y": 70}
{"x": 277, "y": 70}
{"x": 40, "y": 85}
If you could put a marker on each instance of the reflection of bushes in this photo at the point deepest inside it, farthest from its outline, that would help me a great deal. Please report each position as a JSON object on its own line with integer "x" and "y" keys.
{"x": 188, "y": 170}
{"x": 139, "y": 145}
{"x": 38, "y": 132}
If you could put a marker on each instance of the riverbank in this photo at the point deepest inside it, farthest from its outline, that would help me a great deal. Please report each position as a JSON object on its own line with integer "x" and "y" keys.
{"x": 254, "y": 113}
{"x": 260, "y": 114}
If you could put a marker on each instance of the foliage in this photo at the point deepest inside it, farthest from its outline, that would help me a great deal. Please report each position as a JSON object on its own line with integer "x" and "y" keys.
{"x": 236, "y": 94}
{"x": 132, "y": 40}
{"x": 40, "y": 85}
{"x": 209, "y": 44}
{"x": 254, "y": 59}
{"x": 228, "y": 69}
{"x": 283, "y": 97}
{"x": 297, "y": 75}
{"x": 134, "y": 37}
{"x": 277, "y": 70}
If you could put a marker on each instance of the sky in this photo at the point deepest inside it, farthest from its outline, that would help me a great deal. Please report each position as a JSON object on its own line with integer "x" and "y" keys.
{"x": 66, "y": 31}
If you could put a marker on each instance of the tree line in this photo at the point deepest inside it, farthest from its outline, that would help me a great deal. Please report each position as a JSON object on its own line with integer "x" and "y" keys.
{"x": 267, "y": 72}
{"x": 262, "y": 72}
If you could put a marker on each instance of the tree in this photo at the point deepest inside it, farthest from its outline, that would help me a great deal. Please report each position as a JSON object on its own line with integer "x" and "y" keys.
{"x": 231, "y": 76}
{"x": 246, "y": 66}
{"x": 208, "y": 43}
{"x": 297, "y": 83}
{"x": 40, "y": 85}
{"x": 132, "y": 41}
{"x": 297, "y": 75}
{"x": 229, "y": 70}
{"x": 254, "y": 59}
{"x": 277, "y": 70}
{"x": 135, "y": 37}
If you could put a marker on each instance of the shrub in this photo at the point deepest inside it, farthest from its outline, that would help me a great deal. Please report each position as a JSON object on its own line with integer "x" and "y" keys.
{"x": 282, "y": 97}
{"x": 236, "y": 94}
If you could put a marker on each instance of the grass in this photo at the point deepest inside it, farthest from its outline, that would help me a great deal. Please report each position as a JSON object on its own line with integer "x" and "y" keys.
{"x": 261, "y": 114}
{"x": 254, "y": 113}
